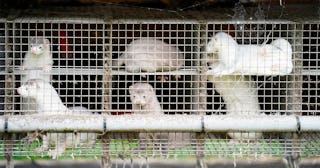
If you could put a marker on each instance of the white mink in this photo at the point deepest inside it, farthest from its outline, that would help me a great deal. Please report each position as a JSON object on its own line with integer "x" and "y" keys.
{"x": 150, "y": 55}
{"x": 38, "y": 60}
{"x": 227, "y": 57}
{"x": 282, "y": 48}
{"x": 37, "y": 64}
{"x": 46, "y": 97}
{"x": 144, "y": 99}
{"x": 240, "y": 97}
{"x": 49, "y": 103}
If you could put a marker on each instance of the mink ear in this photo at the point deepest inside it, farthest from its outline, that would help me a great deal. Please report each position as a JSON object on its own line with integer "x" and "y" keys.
{"x": 46, "y": 41}
{"x": 130, "y": 89}
{"x": 32, "y": 40}
{"x": 151, "y": 89}
{"x": 35, "y": 83}
{"x": 214, "y": 34}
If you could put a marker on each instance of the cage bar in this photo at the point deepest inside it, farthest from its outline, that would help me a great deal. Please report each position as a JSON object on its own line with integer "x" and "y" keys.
{"x": 192, "y": 123}
{"x": 86, "y": 42}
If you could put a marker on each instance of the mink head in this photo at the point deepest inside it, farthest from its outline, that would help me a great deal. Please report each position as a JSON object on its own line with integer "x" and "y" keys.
{"x": 219, "y": 41}
{"x": 141, "y": 93}
{"x": 39, "y": 45}
{"x": 32, "y": 88}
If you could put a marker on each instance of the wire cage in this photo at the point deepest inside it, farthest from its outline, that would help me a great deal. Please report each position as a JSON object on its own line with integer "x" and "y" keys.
{"x": 167, "y": 98}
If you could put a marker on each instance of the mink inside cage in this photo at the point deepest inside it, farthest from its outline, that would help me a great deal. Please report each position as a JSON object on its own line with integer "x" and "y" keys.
{"x": 173, "y": 95}
{"x": 83, "y": 52}
{"x": 273, "y": 92}
{"x": 77, "y": 51}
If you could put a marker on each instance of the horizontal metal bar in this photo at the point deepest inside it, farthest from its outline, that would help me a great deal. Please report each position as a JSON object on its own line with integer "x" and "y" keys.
{"x": 100, "y": 71}
{"x": 178, "y": 72}
{"x": 311, "y": 72}
{"x": 232, "y": 21}
{"x": 87, "y": 71}
{"x": 57, "y": 19}
{"x": 136, "y": 122}
{"x": 69, "y": 71}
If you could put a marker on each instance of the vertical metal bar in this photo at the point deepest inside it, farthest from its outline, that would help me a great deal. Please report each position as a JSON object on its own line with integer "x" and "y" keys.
{"x": 298, "y": 86}
{"x": 203, "y": 64}
{"x": 297, "y": 78}
{"x": 107, "y": 83}
{"x": 107, "y": 59}
{"x": 296, "y": 91}
{"x": 105, "y": 157}
{"x": 8, "y": 150}
{"x": 196, "y": 63}
{"x": 201, "y": 81}
{"x": 8, "y": 145}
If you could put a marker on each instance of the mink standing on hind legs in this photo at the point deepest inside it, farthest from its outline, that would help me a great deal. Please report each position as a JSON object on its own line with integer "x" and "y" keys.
{"x": 37, "y": 64}
{"x": 241, "y": 99}
{"x": 239, "y": 92}
{"x": 38, "y": 60}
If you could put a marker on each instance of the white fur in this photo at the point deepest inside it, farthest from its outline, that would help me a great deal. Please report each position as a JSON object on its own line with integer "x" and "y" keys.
{"x": 38, "y": 61}
{"x": 144, "y": 99}
{"x": 240, "y": 97}
{"x": 46, "y": 97}
{"x": 48, "y": 102}
{"x": 150, "y": 55}
{"x": 37, "y": 64}
{"x": 226, "y": 57}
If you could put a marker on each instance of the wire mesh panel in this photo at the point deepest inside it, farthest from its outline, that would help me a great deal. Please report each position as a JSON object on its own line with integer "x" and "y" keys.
{"x": 310, "y": 69}
{"x": 77, "y": 52}
{"x": 272, "y": 91}
{"x": 70, "y": 81}
{"x": 176, "y": 41}
{"x": 116, "y": 75}
{"x": 2, "y": 66}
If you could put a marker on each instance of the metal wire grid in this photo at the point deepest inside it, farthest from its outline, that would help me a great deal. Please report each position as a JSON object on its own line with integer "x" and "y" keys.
{"x": 2, "y": 66}
{"x": 310, "y": 69}
{"x": 77, "y": 51}
{"x": 84, "y": 86}
{"x": 274, "y": 92}
{"x": 273, "y": 145}
{"x": 175, "y": 98}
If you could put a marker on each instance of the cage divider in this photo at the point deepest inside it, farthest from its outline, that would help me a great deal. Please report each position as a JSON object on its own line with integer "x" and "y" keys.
{"x": 292, "y": 87}
{"x": 107, "y": 84}
{"x": 9, "y": 96}
{"x": 298, "y": 87}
